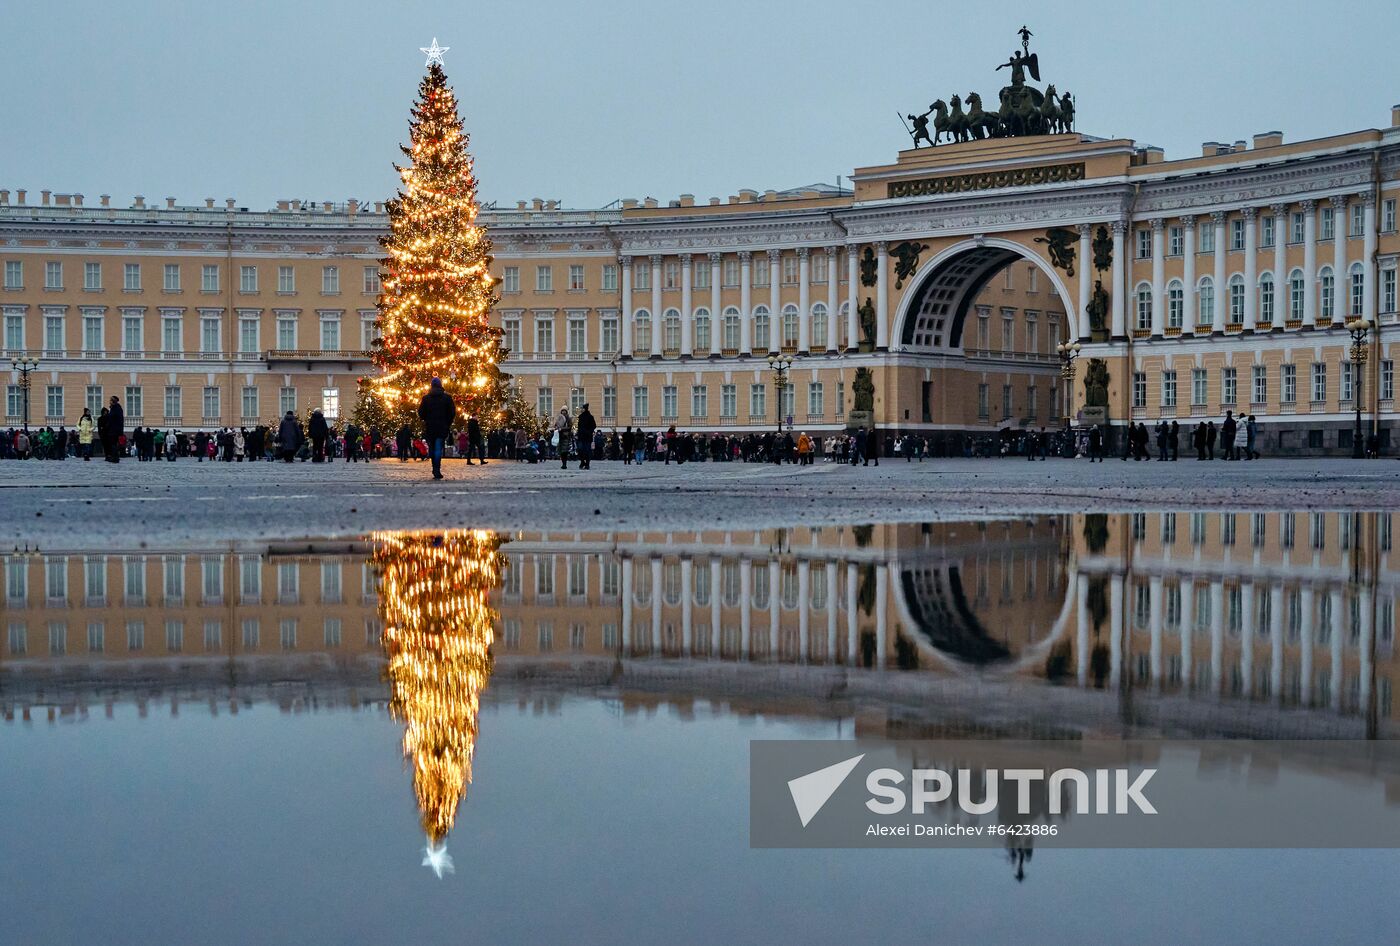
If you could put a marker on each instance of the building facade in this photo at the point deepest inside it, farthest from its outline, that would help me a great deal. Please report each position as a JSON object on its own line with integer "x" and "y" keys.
{"x": 1194, "y": 286}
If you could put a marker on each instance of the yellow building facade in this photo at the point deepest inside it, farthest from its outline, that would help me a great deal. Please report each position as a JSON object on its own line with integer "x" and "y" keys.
{"x": 1212, "y": 283}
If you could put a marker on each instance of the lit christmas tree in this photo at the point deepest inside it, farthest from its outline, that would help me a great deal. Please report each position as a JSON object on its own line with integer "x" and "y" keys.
{"x": 434, "y": 601}
{"x": 435, "y": 307}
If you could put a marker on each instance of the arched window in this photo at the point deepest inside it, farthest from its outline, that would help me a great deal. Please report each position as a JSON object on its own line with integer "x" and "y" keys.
{"x": 760, "y": 327}
{"x": 1236, "y": 299}
{"x": 702, "y": 585}
{"x": 841, "y": 328}
{"x": 641, "y": 583}
{"x": 1176, "y": 304}
{"x": 1328, "y": 290}
{"x": 790, "y": 326}
{"x": 760, "y": 586}
{"x": 702, "y": 330}
{"x": 731, "y": 328}
{"x": 1266, "y": 297}
{"x": 1297, "y": 286}
{"x": 819, "y": 328}
{"x": 1357, "y": 275}
{"x": 641, "y": 331}
{"x": 1205, "y": 302}
{"x": 671, "y": 340}
{"x": 787, "y": 584}
{"x": 1144, "y": 307}
{"x": 671, "y": 583}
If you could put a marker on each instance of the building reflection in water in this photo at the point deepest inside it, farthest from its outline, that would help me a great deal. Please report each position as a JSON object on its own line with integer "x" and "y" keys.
{"x": 1229, "y": 624}
{"x": 434, "y": 604}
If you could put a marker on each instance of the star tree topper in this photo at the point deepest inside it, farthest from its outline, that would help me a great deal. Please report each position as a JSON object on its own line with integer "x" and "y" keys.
{"x": 433, "y": 52}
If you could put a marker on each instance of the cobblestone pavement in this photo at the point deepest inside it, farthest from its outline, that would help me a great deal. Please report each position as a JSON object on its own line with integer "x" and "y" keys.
{"x": 65, "y": 501}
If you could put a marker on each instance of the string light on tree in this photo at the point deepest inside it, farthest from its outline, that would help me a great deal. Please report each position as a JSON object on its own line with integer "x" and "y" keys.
{"x": 437, "y": 292}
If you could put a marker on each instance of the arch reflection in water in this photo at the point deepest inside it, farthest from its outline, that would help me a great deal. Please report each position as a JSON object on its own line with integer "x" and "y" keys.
{"x": 434, "y": 603}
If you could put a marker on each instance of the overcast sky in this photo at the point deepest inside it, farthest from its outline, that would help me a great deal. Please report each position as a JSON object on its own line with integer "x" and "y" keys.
{"x": 589, "y": 102}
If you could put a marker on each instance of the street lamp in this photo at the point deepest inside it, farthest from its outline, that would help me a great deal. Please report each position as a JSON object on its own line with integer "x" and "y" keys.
{"x": 1359, "y": 329}
{"x": 1068, "y": 351}
{"x": 781, "y": 365}
{"x": 24, "y": 365}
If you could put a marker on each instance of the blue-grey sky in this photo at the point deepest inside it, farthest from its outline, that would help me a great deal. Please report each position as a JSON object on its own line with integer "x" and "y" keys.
{"x": 588, "y": 102}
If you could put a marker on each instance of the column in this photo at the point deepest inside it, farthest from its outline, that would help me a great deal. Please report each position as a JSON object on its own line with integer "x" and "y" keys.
{"x": 1159, "y": 278}
{"x": 882, "y": 296}
{"x": 831, "y": 609}
{"x": 627, "y": 607}
{"x": 1339, "y": 258}
{"x": 1081, "y": 638}
{"x": 774, "y": 604}
{"x": 1281, "y": 294}
{"x": 1217, "y": 635}
{"x": 1305, "y": 655}
{"x": 625, "y": 342}
{"x": 745, "y": 302}
{"x": 882, "y": 594}
{"x": 775, "y": 300}
{"x": 1341, "y": 618}
{"x": 1368, "y": 257}
{"x": 714, "y": 607}
{"x": 1189, "y": 304}
{"x": 1154, "y": 625}
{"x": 804, "y": 299}
{"x": 687, "y": 603}
{"x": 852, "y": 297}
{"x": 656, "y": 322}
{"x": 1276, "y": 642}
{"x": 687, "y": 334}
{"x": 745, "y": 609}
{"x": 1116, "y": 293}
{"x": 1247, "y": 629}
{"x": 716, "y": 317}
{"x": 1117, "y": 625}
{"x": 833, "y": 328}
{"x": 1251, "y": 267}
{"x": 1217, "y": 322}
{"x": 656, "y": 605}
{"x": 1086, "y": 281}
{"x": 804, "y": 610}
{"x": 852, "y": 616}
{"x": 1309, "y": 208}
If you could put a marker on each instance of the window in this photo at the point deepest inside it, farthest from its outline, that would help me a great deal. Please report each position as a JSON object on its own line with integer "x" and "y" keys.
{"x": 287, "y": 400}
{"x": 699, "y": 401}
{"x": 372, "y": 284}
{"x": 1387, "y": 380}
{"x": 14, "y": 400}
{"x": 93, "y": 399}
{"x": 670, "y": 402}
{"x": 819, "y": 325}
{"x": 758, "y": 400}
{"x": 172, "y": 332}
{"x": 1348, "y": 381}
{"x": 641, "y": 404}
{"x": 14, "y": 331}
{"x": 1387, "y": 290}
{"x": 209, "y": 333}
{"x": 14, "y": 274}
{"x": 1358, "y": 220}
{"x": 983, "y": 408}
{"x": 1198, "y": 387}
{"x": 1329, "y": 294}
{"x": 729, "y": 400}
{"x": 761, "y": 271}
{"x": 788, "y": 406}
{"x": 92, "y": 276}
{"x": 575, "y": 278}
{"x": 212, "y": 407}
{"x": 1325, "y": 232}
{"x": 209, "y": 279}
{"x": 53, "y": 275}
{"x": 247, "y": 279}
{"x": 816, "y": 398}
{"x": 1144, "y": 307}
{"x": 173, "y": 402}
{"x": 641, "y": 276}
{"x": 248, "y": 334}
{"x": 1229, "y": 385}
{"x": 1169, "y": 389}
{"x": 790, "y": 327}
{"x": 1289, "y": 386}
{"x": 330, "y": 280}
{"x": 369, "y": 330}
{"x": 1259, "y": 375}
{"x": 510, "y": 279}
{"x": 1319, "y": 382}
{"x": 578, "y": 335}
{"x": 790, "y": 270}
{"x": 1175, "y": 241}
{"x": 544, "y": 334}
{"x": 1237, "y": 234}
{"x": 760, "y": 327}
{"x": 730, "y": 271}
{"x": 1205, "y": 303}
{"x": 641, "y": 331}
{"x": 544, "y": 279}
{"x": 1139, "y": 389}
{"x": 330, "y": 331}
{"x": 1207, "y": 238}
{"x": 1357, "y": 281}
{"x": 984, "y": 331}
{"x": 731, "y": 328}
{"x": 609, "y": 401}
{"x": 610, "y": 277}
{"x": 53, "y": 401}
{"x": 510, "y": 333}
{"x": 1005, "y": 402}
{"x": 671, "y": 275}
{"x": 1268, "y": 231}
{"x": 53, "y": 332}
{"x": 135, "y": 402}
{"x": 250, "y": 402}
{"x": 1144, "y": 243}
{"x": 286, "y": 280}
{"x": 1296, "y": 228}
{"x": 1296, "y": 288}
{"x": 92, "y": 331}
{"x": 608, "y": 329}
{"x": 1236, "y": 299}
{"x": 702, "y": 328}
{"x": 1266, "y": 298}
{"x": 671, "y": 324}
{"x": 821, "y": 266}
{"x": 1175, "y": 304}
{"x": 1388, "y": 215}
{"x": 286, "y": 331}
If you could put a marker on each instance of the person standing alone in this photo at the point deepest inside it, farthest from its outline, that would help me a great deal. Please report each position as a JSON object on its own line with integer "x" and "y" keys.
{"x": 113, "y": 431}
{"x": 437, "y": 411}
{"x": 586, "y": 426}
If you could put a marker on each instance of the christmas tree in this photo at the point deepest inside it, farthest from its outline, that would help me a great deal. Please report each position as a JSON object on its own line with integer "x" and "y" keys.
{"x": 434, "y": 600}
{"x": 435, "y": 306}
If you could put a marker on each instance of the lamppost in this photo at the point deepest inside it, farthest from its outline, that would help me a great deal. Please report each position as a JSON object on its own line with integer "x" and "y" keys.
{"x": 1068, "y": 351}
{"x": 24, "y": 365}
{"x": 781, "y": 365}
{"x": 1359, "y": 328}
